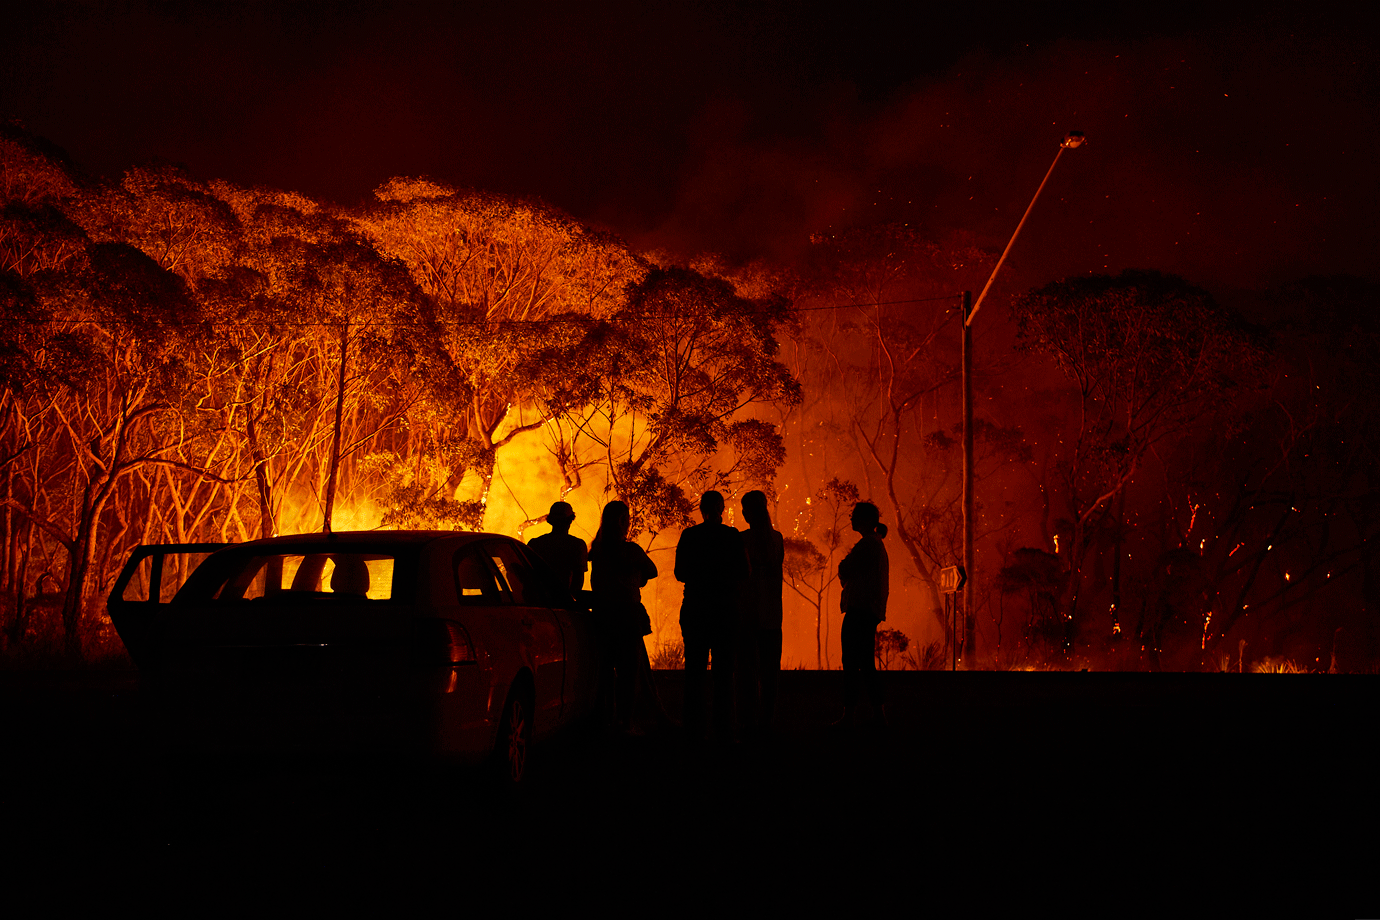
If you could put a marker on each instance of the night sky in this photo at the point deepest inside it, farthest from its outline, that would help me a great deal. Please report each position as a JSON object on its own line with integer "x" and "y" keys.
{"x": 1237, "y": 150}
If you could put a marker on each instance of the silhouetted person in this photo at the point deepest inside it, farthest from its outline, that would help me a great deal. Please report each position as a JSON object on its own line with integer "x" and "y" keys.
{"x": 759, "y": 636}
{"x": 618, "y": 570}
{"x": 562, "y": 551}
{"x": 865, "y": 576}
{"x": 351, "y": 577}
{"x": 711, "y": 561}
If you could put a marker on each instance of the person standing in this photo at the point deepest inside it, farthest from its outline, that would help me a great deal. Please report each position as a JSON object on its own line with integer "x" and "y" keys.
{"x": 865, "y": 576}
{"x": 712, "y": 563}
{"x": 759, "y": 654}
{"x": 619, "y": 569}
{"x": 564, "y": 552}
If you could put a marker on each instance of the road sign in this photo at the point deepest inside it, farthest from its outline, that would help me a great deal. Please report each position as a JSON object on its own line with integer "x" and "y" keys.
{"x": 952, "y": 578}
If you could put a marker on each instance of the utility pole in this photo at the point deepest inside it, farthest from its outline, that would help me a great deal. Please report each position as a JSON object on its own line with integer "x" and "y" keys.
{"x": 969, "y": 651}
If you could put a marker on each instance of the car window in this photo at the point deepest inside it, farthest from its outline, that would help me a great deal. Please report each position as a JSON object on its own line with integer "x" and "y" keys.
{"x": 544, "y": 587}
{"x": 476, "y": 582}
{"x": 338, "y": 575}
{"x": 170, "y": 575}
{"x": 514, "y": 570}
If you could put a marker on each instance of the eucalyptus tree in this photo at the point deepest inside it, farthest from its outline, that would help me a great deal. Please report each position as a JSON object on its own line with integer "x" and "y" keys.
{"x": 170, "y": 217}
{"x": 37, "y": 242}
{"x": 109, "y": 362}
{"x": 810, "y": 571}
{"x": 1270, "y": 530}
{"x": 886, "y": 337}
{"x": 497, "y": 274}
{"x": 662, "y": 389}
{"x": 32, "y": 170}
{"x": 1148, "y": 355}
{"x": 352, "y": 306}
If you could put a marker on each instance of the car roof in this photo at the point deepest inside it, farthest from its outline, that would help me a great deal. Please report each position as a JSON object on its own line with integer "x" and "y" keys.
{"x": 370, "y": 537}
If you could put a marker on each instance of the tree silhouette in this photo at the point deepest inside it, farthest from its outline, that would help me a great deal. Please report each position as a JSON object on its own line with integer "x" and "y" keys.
{"x": 658, "y": 388}
{"x": 810, "y": 572}
{"x": 495, "y": 272}
{"x": 1148, "y": 355}
{"x": 894, "y": 342}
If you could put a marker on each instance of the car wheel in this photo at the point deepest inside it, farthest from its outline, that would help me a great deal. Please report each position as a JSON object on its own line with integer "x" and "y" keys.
{"x": 514, "y": 739}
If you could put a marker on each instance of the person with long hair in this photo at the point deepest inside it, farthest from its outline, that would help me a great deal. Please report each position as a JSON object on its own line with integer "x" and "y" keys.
{"x": 759, "y": 658}
{"x": 619, "y": 568}
{"x": 865, "y": 575}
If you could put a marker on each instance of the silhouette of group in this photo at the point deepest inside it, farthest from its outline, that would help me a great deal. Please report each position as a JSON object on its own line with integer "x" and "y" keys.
{"x": 730, "y": 616}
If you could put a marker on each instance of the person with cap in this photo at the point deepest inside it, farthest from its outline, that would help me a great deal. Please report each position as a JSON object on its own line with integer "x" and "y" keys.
{"x": 564, "y": 552}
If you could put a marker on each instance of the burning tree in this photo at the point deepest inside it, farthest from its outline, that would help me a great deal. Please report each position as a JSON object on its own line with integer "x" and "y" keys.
{"x": 101, "y": 354}
{"x": 186, "y": 361}
{"x": 810, "y": 572}
{"x": 92, "y": 391}
{"x": 1277, "y": 509}
{"x": 191, "y": 360}
{"x": 657, "y": 390}
{"x": 1149, "y": 355}
{"x": 497, "y": 275}
{"x": 312, "y": 326}
{"x": 892, "y": 344}
{"x": 1041, "y": 578}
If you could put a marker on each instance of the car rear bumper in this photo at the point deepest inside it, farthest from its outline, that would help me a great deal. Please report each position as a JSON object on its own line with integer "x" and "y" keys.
{"x": 430, "y": 715}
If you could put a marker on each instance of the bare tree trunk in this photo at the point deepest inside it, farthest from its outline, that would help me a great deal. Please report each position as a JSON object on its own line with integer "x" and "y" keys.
{"x": 7, "y": 574}
{"x": 819, "y": 640}
{"x": 21, "y": 614}
{"x": 267, "y": 526}
{"x": 1116, "y": 563}
{"x": 334, "y": 469}
{"x": 81, "y": 553}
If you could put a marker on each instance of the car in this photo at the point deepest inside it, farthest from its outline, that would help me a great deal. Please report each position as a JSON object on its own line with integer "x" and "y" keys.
{"x": 463, "y": 643}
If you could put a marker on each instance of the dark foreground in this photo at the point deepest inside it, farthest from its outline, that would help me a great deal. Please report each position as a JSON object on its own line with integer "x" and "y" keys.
{"x": 986, "y": 789}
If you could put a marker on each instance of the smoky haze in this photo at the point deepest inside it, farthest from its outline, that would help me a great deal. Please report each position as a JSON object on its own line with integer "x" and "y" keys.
{"x": 1202, "y": 160}
{"x": 1234, "y": 150}
{"x": 888, "y": 165}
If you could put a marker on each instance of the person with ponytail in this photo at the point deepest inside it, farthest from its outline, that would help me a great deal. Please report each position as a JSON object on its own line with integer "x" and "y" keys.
{"x": 865, "y": 575}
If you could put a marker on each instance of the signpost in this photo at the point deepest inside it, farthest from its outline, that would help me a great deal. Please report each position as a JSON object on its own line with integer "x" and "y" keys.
{"x": 951, "y": 580}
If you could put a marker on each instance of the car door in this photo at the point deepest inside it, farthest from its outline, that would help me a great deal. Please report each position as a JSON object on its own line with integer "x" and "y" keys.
{"x": 583, "y": 652}
{"x": 147, "y": 583}
{"x": 541, "y": 629}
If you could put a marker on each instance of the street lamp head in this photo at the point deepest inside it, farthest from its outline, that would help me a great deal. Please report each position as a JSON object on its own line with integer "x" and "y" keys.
{"x": 1072, "y": 139}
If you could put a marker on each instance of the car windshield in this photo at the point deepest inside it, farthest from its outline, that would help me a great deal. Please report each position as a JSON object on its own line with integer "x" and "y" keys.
{"x": 357, "y": 576}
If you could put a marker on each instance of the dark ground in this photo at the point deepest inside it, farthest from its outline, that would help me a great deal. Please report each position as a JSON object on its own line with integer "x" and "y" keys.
{"x": 1210, "y": 790}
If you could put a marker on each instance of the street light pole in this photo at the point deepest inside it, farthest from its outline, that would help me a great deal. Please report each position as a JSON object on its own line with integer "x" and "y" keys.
{"x": 968, "y": 607}
{"x": 1073, "y": 139}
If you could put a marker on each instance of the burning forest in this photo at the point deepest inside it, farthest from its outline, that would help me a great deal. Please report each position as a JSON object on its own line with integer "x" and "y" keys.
{"x": 1173, "y": 446}
{"x": 1160, "y": 483}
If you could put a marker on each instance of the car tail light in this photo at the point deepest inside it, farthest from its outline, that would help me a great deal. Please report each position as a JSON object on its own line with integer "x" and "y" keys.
{"x": 459, "y": 650}
{"x": 442, "y": 643}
